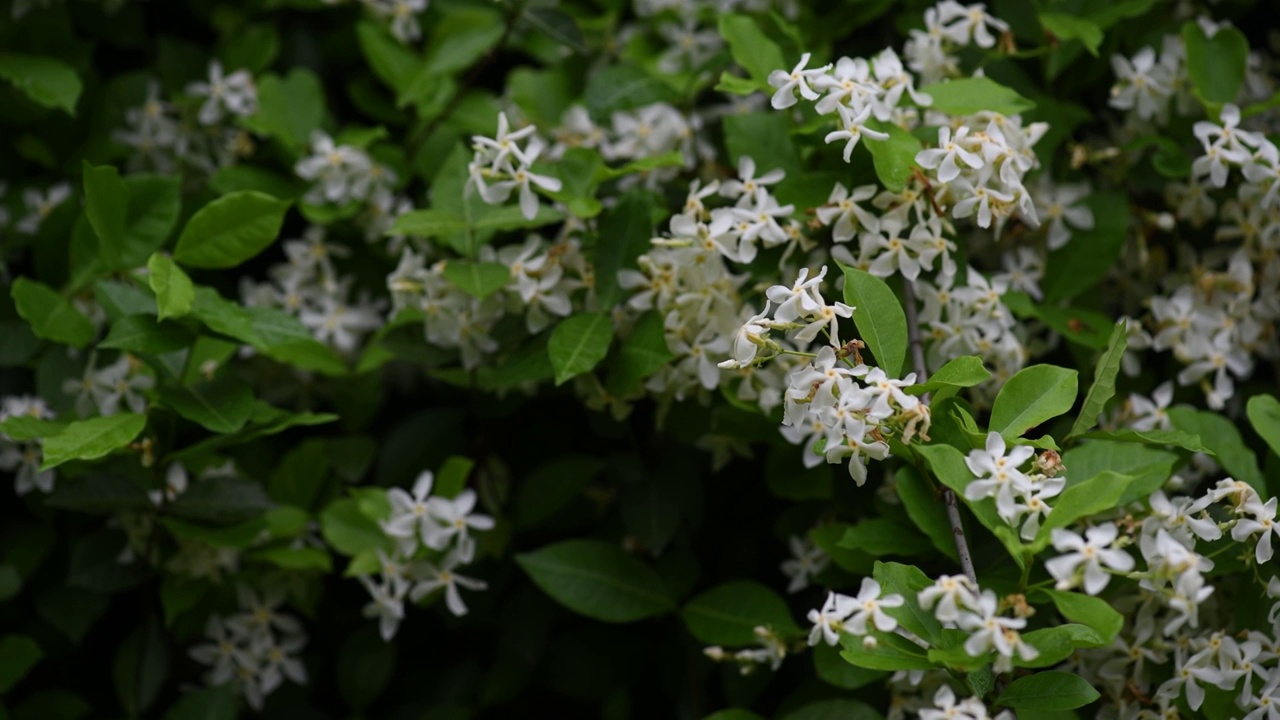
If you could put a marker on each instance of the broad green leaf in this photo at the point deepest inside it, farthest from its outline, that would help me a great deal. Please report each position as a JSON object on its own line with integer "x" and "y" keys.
{"x": 141, "y": 667}
{"x": 91, "y": 439}
{"x": 1047, "y": 691}
{"x": 220, "y": 405}
{"x": 838, "y": 672}
{"x": 144, "y": 334}
{"x": 1104, "y": 381}
{"x": 752, "y": 49}
{"x": 622, "y": 87}
{"x": 221, "y": 500}
{"x": 625, "y": 234}
{"x": 673, "y": 158}
{"x": 1264, "y": 415}
{"x": 392, "y": 61}
{"x": 235, "y": 178}
{"x": 289, "y": 108}
{"x": 961, "y": 372}
{"x": 251, "y": 47}
{"x": 1057, "y": 644}
{"x": 239, "y": 535}
{"x": 154, "y": 204}
{"x": 1033, "y": 395}
{"x": 25, "y": 427}
{"x": 1149, "y": 467}
{"x": 879, "y": 536}
{"x": 1097, "y": 494}
{"x": 462, "y": 37}
{"x": 452, "y": 477}
{"x": 1215, "y": 64}
{"x": 639, "y": 356}
{"x": 1177, "y": 438}
{"x": 828, "y": 536}
{"x": 173, "y": 289}
{"x": 230, "y": 230}
{"x": 895, "y": 158}
{"x": 212, "y": 703}
{"x": 766, "y": 138}
{"x": 294, "y": 558}
{"x": 578, "y": 344}
{"x": 106, "y": 203}
{"x": 427, "y": 224}
{"x": 879, "y": 317}
{"x": 557, "y": 25}
{"x": 1082, "y": 326}
{"x": 735, "y": 85}
{"x": 350, "y": 531}
{"x": 475, "y": 278}
{"x": 50, "y": 83}
{"x": 1088, "y": 610}
{"x": 1091, "y": 254}
{"x": 99, "y": 494}
{"x": 271, "y": 331}
{"x": 728, "y": 614}
{"x": 549, "y": 488}
{"x": 1072, "y": 27}
{"x": 50, "y": 315}
{"x": 1223, "y": 438}
{"x": 834, "y": 709}
{"x": 597, "y": 579}
{"x": 923, "y": 506}
{"x": 18, "y": 654}
{"x": 967, "y": 96}
{"x": 908, "y": 581}
{"x": 890, "y": 652}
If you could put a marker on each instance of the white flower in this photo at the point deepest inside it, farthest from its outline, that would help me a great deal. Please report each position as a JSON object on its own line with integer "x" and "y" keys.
{"x": 409, "y": 516}
{"x": 453, "y": 518}
{"x": 951, "y": 151}
{"x": 1091, "y": 553}
{"x": 443, "y": 576}
{"x": 1263, "y": 521}
{"x": 998, "y": 474}
{"x": 806, "y": 561}
{"x": 828, "y": 623}
{"x": 867, "y": 609}
{"x": 233, "y": 93}
{"x": 788, "y": 83}
{"x": 948, "y": 595}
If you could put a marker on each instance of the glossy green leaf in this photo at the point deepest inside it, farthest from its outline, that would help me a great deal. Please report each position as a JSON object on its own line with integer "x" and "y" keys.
{"x": 895, "y": 158}
{"x": 890, "y": 652}
{"x": 728, "y": 614}
{"x": 220, "y": 405}
{"x": 578, "y": 344}
{"x": 961, "y": 372}
{"x": 478, "y": 279}
{"x": 1264, "y": 415}
{"x": 174, "y": 290}
{"x": 597, "y": 579}
{"x": 51, "y": 316}
{"x": 908, "y": 581}
{"x": 1088, "y": 610}
{"x": 1097, "y": 494}
{"x": 879, "y": 317}
{"x": 1047, "y": 691}
{"x": 1033, "y": 395}
{"x": 91, "y": 439}
{"x": 752, "y": 49}
{"x": 625, "y": 232}
{"x": 106, "y": 204}
{"x": 144, "y": 334}
{"x": 1104, "y": 381}
{"x": 966, "y": 96}
{"x": 289, "y": 108}
{"x": 1224, "y": 439}
{"x": 1215, "y": 64}
{"x": 230, "y": 230}
{"x": 1073, "y": 27}
{"x": 1177, "y": 438}
{"x": 640, "y": 355}
{"x": 49, "y": 82}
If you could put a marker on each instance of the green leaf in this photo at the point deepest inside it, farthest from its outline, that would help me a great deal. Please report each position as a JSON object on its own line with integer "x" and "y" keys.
{"x": 1222, "y": 437}
{"x": 895, "y": 158}
{"x": 106, "y": 204}
{"x": 91, "y": 439}
{"x": 1034, "y": 394}
{"x": 453, "y": 476}
{"x": 961, "y": 372}
{"x": 1088, "y": 328}
{"x": 230, "y": 230}
{"x": 728, "y": 614}
{"x": 752, "y": 49}
{"x": 173, "y": 289}
{"x": 625, "y": 234}
{"x": 1047, "y": 691}
{"x": 834, "y": 709}
{"x": 393, "y": 63}
{"x": 735, "y": 85}
{"x": 639, "y": 356}
{"x": 597, "y": 579}
{"x": 1264, "y": 415}
{"x": 1087, "y": 610}
{"x": 891, "y": 652}
{"x": 1177, "y": 438}
{"x": 18, "y": 654}
{"x": 878, "y": 537}
{"x": 478, "y": 279}
{"x": 144, "y": 334}
{"x": 1057, "y": 644}
{"x": 1215, "y": 64}
{"x": 578, "y": 344}
{"x": 558, "y": 25}
{"x": 1071, "y": 27}
{"x": 213, "y": 703}
{"x": 967, "y": 96}
{"x": 1150, "y": 468}
{"x": 1097, "y": 494}
{"x": 294, "y": 558}
{"x": 1079, "y": 265}
{"x": 622, "y": 87}
{"x": 289, "y": 108}
{"x": 141, "y": 667}
{"x": 838, "y": 672}
{"x": 923, "y": 507}
{"x": 551, "y": 487}
{"x": 908, "y": 581}
{"x": 221, "y": 405}
{"x": 1104, "y": 381}
{"x": 879, "y": 318}
{"x": 50, "y": 83}
{"x": 271, "y": 331}
{"x": 51, "y": 316}
{"x": 427, "y": 224}
{"x": 766, "y": 138}
{"x": 350, "y": 531}
{"x": 222, "y": 500}
{"x": 154, "y": 204}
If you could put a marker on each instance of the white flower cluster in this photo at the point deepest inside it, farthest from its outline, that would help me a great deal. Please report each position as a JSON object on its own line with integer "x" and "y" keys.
{"x": 432, "y": 539}
{"x": 309, "y": 287}
{"x": 23, "y": 457}
{"x": 501, "y": 165}
{"x": 542, "y": 280}
{"x": 402, "y": 14}
{"x": 945, "y": 707}
{"x": 949, "y": 26}
{"x": 772, "y": 651}
{"x": 40, "y": 205}
{"x": 101, "y": 391}
{"x": 342, "y": 174}
{"x": 856, "y": 616}
{"x": 233, "y": 94}
{"x": 255, "y": 649}
{"x": 806, "y": 561}
{"x": 1020, "y": 497}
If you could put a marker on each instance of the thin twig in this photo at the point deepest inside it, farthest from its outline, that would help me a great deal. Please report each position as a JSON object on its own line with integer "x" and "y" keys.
{"x": 922, "y": 375}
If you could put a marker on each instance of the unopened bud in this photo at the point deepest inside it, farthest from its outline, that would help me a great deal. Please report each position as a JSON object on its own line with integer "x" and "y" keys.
{"x": 1049, "y": 463}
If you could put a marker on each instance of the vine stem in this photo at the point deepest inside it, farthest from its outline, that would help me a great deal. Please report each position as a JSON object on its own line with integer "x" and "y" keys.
{"x": 922, "y": 375}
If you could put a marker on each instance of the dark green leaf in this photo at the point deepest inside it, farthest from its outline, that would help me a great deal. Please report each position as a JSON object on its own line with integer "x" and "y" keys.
{"x": 106, "y": 203}
{"x": 1264, "y": 415}
{"x": 879, "y": 317}
{"x": 230, "y": 230}
{"x": 597, "y": 579}
{"x": 729, "y": 613}
{"x": 578, "y": 344}
{"x": 141, "y": 667}
{"x": 1223, "y": 438}
{"x": 221, "y": 500}
{"x": 1048, "y": 691}
{"x": 221, "y": 405}
{"x": 18, "y": 654}
{"x": 478, "y": 279}
{"x": 1033, "y": 395}
{"x": 1104, "y": 381}
{"x": 1215, "y": 64}
{"x": 91, "y": 439}
{"x": 895, "y": 158}
{"x": 50, "y": 315}
{"x": 625, "y": 234}
{"x": 49, "y": 82}
{"x": 144, "y": 334}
